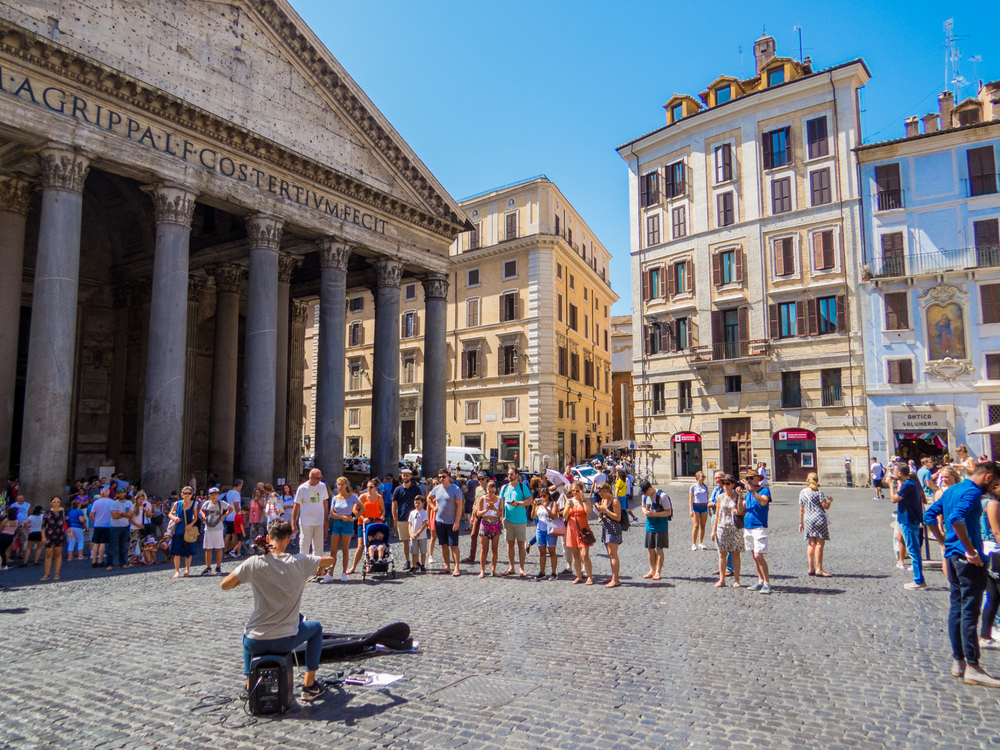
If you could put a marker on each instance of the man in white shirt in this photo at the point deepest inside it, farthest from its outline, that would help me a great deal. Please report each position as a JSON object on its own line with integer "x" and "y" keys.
{"x": 309, "y": 516}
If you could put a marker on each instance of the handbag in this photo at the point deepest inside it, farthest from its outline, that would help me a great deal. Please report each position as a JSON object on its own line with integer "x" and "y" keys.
{"x": 190, "y": 529}
{"x": 557, "y": 527}
{"x": 587, "y": 537}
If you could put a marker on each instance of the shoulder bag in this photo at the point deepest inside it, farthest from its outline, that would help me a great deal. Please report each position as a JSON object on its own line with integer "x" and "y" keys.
{"x": 625, "y": 522}
{"x": 190, "y": 529}
{"x": 586, "y": 536}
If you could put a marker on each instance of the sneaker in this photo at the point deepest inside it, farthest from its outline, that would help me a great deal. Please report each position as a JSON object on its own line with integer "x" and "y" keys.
{"x": 765, "y": 589}
{"x": 430, "y": 560}
{"x": 757, "y": 586}
{"x": 218, "y": 570}
{"x": 343, "y": 577}
{"x": 958, "y": 668}
{"x": 206, "y": 571}
{"x": 702, "y": 546}
{"x": 694, "y": 547}
{"x": 976, "y": 675}
{"x": 406, "y": 566}
{"x": 540, "y": 576}
{"x": 327, "y": 579}
{"x": 423, "y": 569}
{"x": 312, "y": 692}
{"x": 914, "y": 586}
{"x": 553, "y": 577}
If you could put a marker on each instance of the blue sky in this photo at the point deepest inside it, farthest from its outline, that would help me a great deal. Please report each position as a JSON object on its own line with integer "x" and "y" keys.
{"x": 490, "y": 93}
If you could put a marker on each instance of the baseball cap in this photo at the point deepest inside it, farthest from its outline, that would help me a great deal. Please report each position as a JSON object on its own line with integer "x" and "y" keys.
{"x": 404, "y": 472}
{"x": 213, "y": 491}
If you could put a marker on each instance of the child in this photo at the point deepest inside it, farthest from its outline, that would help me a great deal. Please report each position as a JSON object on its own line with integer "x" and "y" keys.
{"x": 149, "y": 548}
{"x": 376, "y": 548}
{"x": 418, "y": 534}
{"x": 240, "y": 529}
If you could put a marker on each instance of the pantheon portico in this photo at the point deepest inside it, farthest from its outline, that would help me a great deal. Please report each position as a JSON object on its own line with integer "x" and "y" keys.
{"x": 164, "y": 222}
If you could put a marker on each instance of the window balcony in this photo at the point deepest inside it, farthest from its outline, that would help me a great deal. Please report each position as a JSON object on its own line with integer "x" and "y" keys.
{"x": 983, "y": 184}
{"x": 731, "y": 350}
{"x": 922, "y": 264}
{"x": 889, "y": 200}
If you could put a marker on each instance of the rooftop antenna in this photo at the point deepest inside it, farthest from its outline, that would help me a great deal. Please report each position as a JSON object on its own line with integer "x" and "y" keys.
{"x": 975, "y": 60}
{"x": 953, "y": 80}
{"x": 799, "y": 29}
{"x": 741, "y": 62}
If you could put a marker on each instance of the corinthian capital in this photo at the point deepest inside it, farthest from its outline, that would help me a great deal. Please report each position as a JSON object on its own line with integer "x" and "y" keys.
{"x": 264, "y": 230}
{"x": 390, "y": 271}
{"x": 286, "y": 264}
{"x": 300, "y": 308}
{"x": 436, "y": 287}
{"x": 172, "y": 202}
{"x": 196, "y": 284}
{"x": 64, "y": 167}
{"x": 334, "y": 253}
{"x": 227, "y": 278}
{"x": 15, "y": 194}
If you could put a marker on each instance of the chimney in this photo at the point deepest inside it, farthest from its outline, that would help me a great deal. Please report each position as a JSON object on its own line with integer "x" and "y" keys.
{"x": 946, "y": 100}
{"x": 930, "y": 122}
{"x": 912, "y": 126}
{"x": 763, "y": 51}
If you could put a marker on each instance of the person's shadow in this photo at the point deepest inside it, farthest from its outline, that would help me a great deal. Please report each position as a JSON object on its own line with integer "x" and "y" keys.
{"x": 335, "y": 705}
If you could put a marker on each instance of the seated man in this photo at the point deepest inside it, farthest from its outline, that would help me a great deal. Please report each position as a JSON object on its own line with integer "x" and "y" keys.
{"x": 376, "y": 548}
{"x": 275, "y": 626}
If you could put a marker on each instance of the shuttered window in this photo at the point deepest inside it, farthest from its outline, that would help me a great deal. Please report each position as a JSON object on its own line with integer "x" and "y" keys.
{"x": 563, "y": 361}
{"x": 819, "y": 144}
{"x": 993, "y": 366}
{"x": 784, "y": 257}
{"x": 679, "y": 220}
{"x": 819, "y": 187}
{"x": 900, "y": 371}
{"x": 723, "y": 163}
{"x": 674, "y": 184}
{"x": 649, "y": 190}
{"x": 990, "y": 295}
{"x": 472, "y": 312}
{"x": 781, "y": 195}
{"x": 824, "y": 255}
{"x": 982, "y": 171}
{"x": 777, "y": 145}
{"x": 472, "y": 363}
{"x": 652, "y": 230}
{"x": 474, "y": 236}
{"x": 510, "y": 304}
{"x": 510, "y": 221}
{"x": 726, "y": 212}
{"x": 887, "y": 183}
{"x": 987, "y": 234}
{"x": 897, "y": 315}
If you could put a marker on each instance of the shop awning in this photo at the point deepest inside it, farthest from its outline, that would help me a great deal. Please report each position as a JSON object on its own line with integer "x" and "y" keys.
{"x": 685, "y": 437}
{"x": 794, "y": 435}
{"x": 937, "y": 439}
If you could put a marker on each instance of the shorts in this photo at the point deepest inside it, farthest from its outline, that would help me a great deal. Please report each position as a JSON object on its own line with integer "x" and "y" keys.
{"x": 229, "y": 527}
{"x": 515, "y": 532}
{"x": 341, "y": 528}
{"x": 102, "y": 534}
{"x": 699, "y": 508}
{"x": 214, "y": 538}
{"x": 35, "y": 536}
{"x": 418, "y": 546}
{"x": 543, "y": 537}
{"x": 657, "y": 540}
{"x": 446, "y": 534}
{"x": 755, "y": 540}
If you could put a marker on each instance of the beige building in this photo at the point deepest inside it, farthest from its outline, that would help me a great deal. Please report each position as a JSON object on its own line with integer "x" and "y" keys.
{"x": 528, "y": 336}
{"x": 745, "y": 249}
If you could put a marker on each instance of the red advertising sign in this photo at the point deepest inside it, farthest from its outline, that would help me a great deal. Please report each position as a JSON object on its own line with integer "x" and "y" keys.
{"x": 686, "y": 437}
{"x": 794, "y": 435}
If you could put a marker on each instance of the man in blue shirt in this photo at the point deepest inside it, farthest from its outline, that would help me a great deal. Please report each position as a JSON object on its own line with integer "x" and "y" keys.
{"x": 878, "y": 474}
{"x": 924, "y": 477}
{"x": 758, "y": 501}
{"x": 907, "y": 495}
{"x": 961, "y": 506}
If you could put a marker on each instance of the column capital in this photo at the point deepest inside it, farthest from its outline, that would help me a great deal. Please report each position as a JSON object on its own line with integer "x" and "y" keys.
{"x": 15, "y": 193}
{"x": 196, "y": 285}
{"x": 227, "y": 278}
{"x": 64, "y": 167}
{"x": 300, "y": 309}
{"x": 264, "y": 230}
{"x": 436, "y": 287}
{"x": 173, "y": 203}
{"x": 334, "y": 253}
{"x": 390, "y": 272}
{"x": 286, "y": 264}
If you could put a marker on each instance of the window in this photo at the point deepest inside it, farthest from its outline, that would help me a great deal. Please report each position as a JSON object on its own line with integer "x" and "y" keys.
{"x": 605, "y": 339}
{"x": 474, "y": 236}
{"x": 727, "y": 267}
{"x": 900, "y": 371}
{"x": 776, "y": 76}
{"x": 586, "y": 414}
{"x": 819, "y": 187}
{"x": 726, "y": 212}
{"x": 819, "y": 144}
{"x": 659, "y": 398}
{"x": 573, "y": 323}
{"x": 510, "y": 269}
{"x": 993, "y": 366}
{"x": 354, "y": 417}
{"x": 678, "y": 218}
{"x": 684, "y": 400}
{"x": 357, "y": 304}
{"x": 893, "y": 263}
{"x": 830, "y": 315}
{"x": 723, "y": 163}
{"x": 681, "y": 278}
{"x": 652, "y": 231}
{"x": 409, "y": 370}
{"x": 354, "y": 376}
{"x": 677, "y": 112}
{"x": 561, "y": 411}
{"x": 569, "y": 235}
{"x": 897, "y": 316}
{"x": 987, "y": 234}
{"x": 788, "y": 320}
{"x": 507, "y": 361}
{"x": 982, "y": 171}
{"x": 723, "y": 94}
{"x": 410, "y": 292}
{"x": 509, "y": 306}
{"x": 472, "y": 308}
{"x": 356, "y": 334}
{"x": 563, "y": 361}
{"x": 831, "y": 394}
{"x": 472, "y": 277}
{"x": 574, "y": 367}
{"x": 558, "y": 270}
{"x": 654, "y": 343}
{"x": 408, "y": 329}
{"x": 824, "y": 252}
{"x": 791, "y": 391}
{"x": 888, "y": 195}
{"x": 559, "y": 308}
{"x": 682, "y": 334}
{"x": 649, "y": 186}
{"x": 572, "y": 281}
{"x": 990, "y": 296}
{"x": 471, "y": 411}
{"x": 652, "y": 283}
{"x": 510, "y": 226}
{"x": 674, "y": 184}
{"x": 588, "y": 377}
{"x": 571, "y": 409}
{"x": 557, "y": 224}
{"x": 781, "y": 195}
{"x": 734, "y": 383}
{"x": 784, "y": 257}
{"x": 777, "y": 148}
{"x": 586, "y": 326}
{"x": 471, "y": 363}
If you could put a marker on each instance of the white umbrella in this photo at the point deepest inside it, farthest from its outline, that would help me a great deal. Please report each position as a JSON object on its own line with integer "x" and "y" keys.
{"x": 993, "y": 429}
{"x": 555, "y": 478}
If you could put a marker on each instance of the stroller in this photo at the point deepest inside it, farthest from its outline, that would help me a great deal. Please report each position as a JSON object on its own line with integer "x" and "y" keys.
{"x": 385, "y": 565}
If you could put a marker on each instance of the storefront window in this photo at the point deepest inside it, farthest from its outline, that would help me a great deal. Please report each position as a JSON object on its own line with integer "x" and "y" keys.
{"x": 686, "y": 453}
{"x": 794, "y": 455}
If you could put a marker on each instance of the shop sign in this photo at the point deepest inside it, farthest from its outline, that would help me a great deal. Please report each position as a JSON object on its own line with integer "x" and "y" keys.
{"x": 794, "y": 435}
{"x": 686, "y": 437}
{"x": 920, "y": 421}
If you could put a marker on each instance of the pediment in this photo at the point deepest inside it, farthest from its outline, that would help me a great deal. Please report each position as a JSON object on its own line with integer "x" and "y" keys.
{"x": 253, "y": 63}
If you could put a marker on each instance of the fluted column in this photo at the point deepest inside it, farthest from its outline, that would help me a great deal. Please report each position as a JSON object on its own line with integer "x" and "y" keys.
{"x": 435, "y": 425}
{"x": 296, "y": 382}
{"x": 286, "y": 264}
{"x": 329, "y": 450}
{"x": 225, "y": 356}
{"x": 166, "y": 363}
{"x": 385, "y": 397}
{"x": 259, "y": 369}
{"x": 48, "y": 395}
{"x": 15, "y": 195}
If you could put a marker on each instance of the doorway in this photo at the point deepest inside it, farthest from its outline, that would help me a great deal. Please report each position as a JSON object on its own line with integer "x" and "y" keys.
{"x": 737, "y": 453}
{"x": 407, "y": 435}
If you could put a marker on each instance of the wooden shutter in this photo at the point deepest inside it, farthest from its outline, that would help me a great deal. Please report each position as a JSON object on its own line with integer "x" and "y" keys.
{"x": 843, "y": 324}
{"x": 669, "y": 189}
{"x": 517, "y": 307}
{"x": 829, "y": 259}
{"x": 663, "y": 281}
{"x": 905, "y": 371}
{"x": 727, "y": 162}
{"x": 768, "y": 155}
{"x": 465, "y": 365}
{"x": 689, "y": 268}
{"x": 989, "y": 300}
{"x": 743, "y": 317}
{"x": 402, "y": 326}
{"x": 502, "y": 360}
{"x": 643, "y": 195}
{"x": 779, "y": 258}
{"x": 772, "y": 318}
{"x": 800, "y": 319}
{"x": 811, "y": 306}
{"x": 819, "y": 254}
{"x": 511, "y": 220}
{"x": 646, "y": 339}
{"x": 896, "y": 311}
{"x": 894, "y": 371}
{"x": 887, "y": 178}
{"x": 717, "y": 269}
{"x": 645, "y": 285}
{"x": 993, "y": 366}
{"x": 788, "y": 145}
{"x": 667, "y": 331}
{"x": 717, "y": 337}
{"x": 738, "y": 253}
{"x": 672, "y": 281}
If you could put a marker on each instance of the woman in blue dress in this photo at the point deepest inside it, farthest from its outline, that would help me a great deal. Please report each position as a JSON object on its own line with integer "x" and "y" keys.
{"x": 183, "y": 514}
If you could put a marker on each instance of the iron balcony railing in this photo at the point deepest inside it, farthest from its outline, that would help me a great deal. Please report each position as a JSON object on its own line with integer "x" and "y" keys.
{"x": 983, "y": 184}
{"x": 887, "y": 200}
{"x": 917, "y": 264}
{"x": 728, "y": 350}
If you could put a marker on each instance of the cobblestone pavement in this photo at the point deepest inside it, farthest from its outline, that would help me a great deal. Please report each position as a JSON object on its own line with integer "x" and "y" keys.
{"x": 119, "y": 660}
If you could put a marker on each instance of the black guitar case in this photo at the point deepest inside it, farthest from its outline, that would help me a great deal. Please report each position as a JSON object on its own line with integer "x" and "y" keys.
{"x": 339, "y": 646}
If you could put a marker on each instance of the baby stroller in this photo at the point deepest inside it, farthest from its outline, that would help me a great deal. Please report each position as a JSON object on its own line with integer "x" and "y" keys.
{"x": 385, "y": 565}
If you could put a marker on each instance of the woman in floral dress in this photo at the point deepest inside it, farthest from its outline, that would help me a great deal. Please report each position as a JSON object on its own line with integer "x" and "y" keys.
{"x": 727, "y": 536}
{"x": 813, "y": 505}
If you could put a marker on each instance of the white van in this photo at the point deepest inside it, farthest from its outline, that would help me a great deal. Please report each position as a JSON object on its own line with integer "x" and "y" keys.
{"x": 464, "y": 460}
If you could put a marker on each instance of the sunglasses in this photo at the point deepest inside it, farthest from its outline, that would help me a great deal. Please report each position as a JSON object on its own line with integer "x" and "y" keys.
{"x": 728, "y": 483}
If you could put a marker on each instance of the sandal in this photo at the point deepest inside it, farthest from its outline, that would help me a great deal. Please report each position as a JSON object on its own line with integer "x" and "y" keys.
{"x": 590, "y": 582}
{"x": 177, "y": 574}
{"x": 812, "y": 572}
{"x": 45, "y": 578}
{"x": 648, "y": 575}
{"x": 578, "y": 580}
{"x": 824, "y": 574}
{"x": 737, "y": 585}
{"x": 55, "y": 578}
{"x": 720, "y": 584}
{"x": 610, "y": 585}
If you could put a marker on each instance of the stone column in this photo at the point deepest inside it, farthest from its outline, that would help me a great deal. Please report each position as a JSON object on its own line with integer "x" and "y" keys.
{"x": 286, "y": 264}
{"x": 329, "y": 381}
{"x": 435, "y": 422}
{"x": 15, "y": 195}
{"x": 296, "y": 382}
{"x": 166, "y": 360}
{"x": 385, "y": 396}
{"x": 48, "y": 394}
{"x": 259, "y": 369}
{"x": 195, "y": 287}
{"x": 225, "y": 358}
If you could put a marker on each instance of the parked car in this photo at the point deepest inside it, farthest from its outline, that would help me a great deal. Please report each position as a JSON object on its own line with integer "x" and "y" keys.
{"x": 584, "y": 473}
